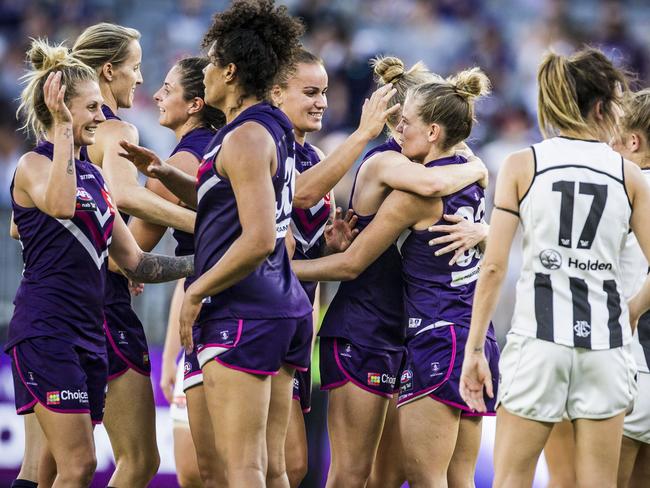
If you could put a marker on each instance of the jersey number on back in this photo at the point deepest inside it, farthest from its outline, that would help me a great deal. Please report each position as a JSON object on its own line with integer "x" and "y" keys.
{"x": 567, "y": 190}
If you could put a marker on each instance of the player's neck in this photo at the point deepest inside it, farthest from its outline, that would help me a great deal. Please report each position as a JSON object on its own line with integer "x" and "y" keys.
{"x": 300, "y": 136}
{"x": 583, "y": 135}
{"x": 186, "y": 128}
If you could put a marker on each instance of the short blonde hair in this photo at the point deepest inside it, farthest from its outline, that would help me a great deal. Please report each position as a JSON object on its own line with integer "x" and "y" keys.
{"x": 104, "y": 43}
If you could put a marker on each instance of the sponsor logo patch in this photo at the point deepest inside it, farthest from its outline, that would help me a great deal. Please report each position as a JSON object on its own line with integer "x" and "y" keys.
{"x": 374, "y": 379}
{"x": 85, "y": 201}
{"x": 414, "y": 323}
{"x": 145, "y": 357}
{"x": 53, "y": 398}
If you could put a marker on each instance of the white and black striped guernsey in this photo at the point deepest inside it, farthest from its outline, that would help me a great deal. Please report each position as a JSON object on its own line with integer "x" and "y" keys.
{"x": 575, "y": 218}
{"x": 634, "y": 269}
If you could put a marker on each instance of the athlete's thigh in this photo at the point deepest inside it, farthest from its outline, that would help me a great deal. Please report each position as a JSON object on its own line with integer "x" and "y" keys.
{"x": 468, "y": 443}
{"x": 238, "y": 404}
{"x": 560, "y": 455}
{"x": 598, "y": 446}
{"x": 388, "y": 469}
{"x": 517, "y": 447}
{"x": 279, "y": 411}
{"x": 641, "y": 473}
{"x": 429, "y": 431}
{"x": 355, "y": 420}
{"x": 69, "y": 435}
{"x": 200, "y": 422}
{"x": 629, "y": 451}
{"x": 130, "y": 415}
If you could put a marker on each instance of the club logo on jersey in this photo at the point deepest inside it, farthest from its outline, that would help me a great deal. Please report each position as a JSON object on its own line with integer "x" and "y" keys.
{"x": 187, "y": 367}
{"x": 374, "y": 379}
{"x": 550, "y": 259}
{"x": 30, "y": 379}
{"x": 85, "y": 201}
{"x": 224, "y": 335}
{"x": 582, "y": 328}
{"x": 53, "y": 398}
{"x": 122, "y": 335}
{"x": 414, "y": 323}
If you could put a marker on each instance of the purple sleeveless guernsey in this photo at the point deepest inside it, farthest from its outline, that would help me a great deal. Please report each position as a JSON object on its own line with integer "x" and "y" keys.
{"x": 117, "y": 285}
{"x": 272, "y": 290}
{"x": 61, "y": 293}
{"x": 308, "y": 225}
{"x": 369, "y": 309}
{"x": 195, "y": 143}
{"x": 436, "y": 294}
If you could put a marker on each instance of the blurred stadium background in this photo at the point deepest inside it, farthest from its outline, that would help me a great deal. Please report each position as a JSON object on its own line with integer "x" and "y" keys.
{"x": 504, "y": 37}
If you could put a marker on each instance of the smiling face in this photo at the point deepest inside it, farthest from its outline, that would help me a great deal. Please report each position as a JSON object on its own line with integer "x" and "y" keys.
{"x": 127, "y": 76}
{"x": 415, "y": 137}
{"x": 304, "y": 99}
{"x": 171, "y": 102}
{"x": 86, "y": 109}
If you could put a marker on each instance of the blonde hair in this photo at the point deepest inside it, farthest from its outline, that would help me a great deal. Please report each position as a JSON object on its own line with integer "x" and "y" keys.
{"x": 637, "y": 114}
{"x": 104, "y": 43}
{"x": 389, "y": 69}
{"x": 46, "y": 59}
{"x": 569, "y": 88}
{"x": 450, "y": 103}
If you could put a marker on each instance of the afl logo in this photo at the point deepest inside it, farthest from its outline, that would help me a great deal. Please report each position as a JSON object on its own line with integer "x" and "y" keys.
{"x": 83, "y": 195}
{"x": 406, "y": 376}
{"x": 550, "y": 259}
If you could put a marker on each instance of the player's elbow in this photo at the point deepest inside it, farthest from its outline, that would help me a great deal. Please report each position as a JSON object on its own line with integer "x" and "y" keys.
{"x": 493, "y": 271}
{"x": 305, "y": 199}
{"x": 434, "y": 188}
{"x": 351, "y": 270}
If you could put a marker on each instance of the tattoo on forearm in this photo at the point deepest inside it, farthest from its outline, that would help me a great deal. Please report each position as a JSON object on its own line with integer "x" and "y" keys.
{"x": 67, "y": 132}
{"x": 70, "y": 168}
{"x": 478, "y": 349}
{"x": 155, "y": 268}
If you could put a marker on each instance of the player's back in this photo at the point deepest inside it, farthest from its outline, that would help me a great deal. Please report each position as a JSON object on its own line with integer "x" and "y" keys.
{"x": 575, "y": 217}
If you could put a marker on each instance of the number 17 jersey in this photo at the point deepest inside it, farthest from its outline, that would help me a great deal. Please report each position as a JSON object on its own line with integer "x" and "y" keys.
{"x": 575, "y": 219}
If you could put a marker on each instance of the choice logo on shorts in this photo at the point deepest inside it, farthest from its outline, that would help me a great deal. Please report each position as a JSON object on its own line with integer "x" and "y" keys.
{"x": 53, "y": 398}
{"x": 378, "y": 379}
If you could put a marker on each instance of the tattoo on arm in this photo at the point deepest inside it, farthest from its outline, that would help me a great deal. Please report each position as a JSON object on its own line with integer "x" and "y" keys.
{"x": 70, "y": 168}
{"x": 68, "y": 132}
{"x": 478, "y": 349}
{"x": 155, "y": 268}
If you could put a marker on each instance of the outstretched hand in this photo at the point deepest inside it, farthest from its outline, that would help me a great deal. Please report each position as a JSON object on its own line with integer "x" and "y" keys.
{"x": 54, "y": 94}
{"x": 147, "y": 162}
{"x": 375, "y": 112}
{"x": 340, "y": 232}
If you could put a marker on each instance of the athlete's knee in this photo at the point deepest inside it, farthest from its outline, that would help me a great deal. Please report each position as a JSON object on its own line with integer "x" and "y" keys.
{"x": 78, "y": 471}
{"x": 351, "y": 474}
{"x": 296, "y": 470}
{"x": 189, "y": 479}
{"x": 142, "y": 463}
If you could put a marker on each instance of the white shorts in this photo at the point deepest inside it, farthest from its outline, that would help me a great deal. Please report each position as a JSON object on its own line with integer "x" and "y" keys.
{"x": 544, "y": 381}
{"x": 178, "y": 407}
{"x": 637, "y": 422}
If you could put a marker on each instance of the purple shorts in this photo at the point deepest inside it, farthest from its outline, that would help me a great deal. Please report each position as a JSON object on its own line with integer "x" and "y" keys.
{"x": 434, "y": 360}
{"x": 192, "y": 373}
{"x": 126, "y": 342}
{"x": 302, "y": 389}
{"x": 257, "y": 346}
{"x": 60, "y": 376}
{"x": 373, "y": 370}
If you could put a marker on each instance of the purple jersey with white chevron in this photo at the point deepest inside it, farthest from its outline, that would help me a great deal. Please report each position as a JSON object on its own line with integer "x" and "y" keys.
{"x": 369, "y": 309}
{"x": 272, "y": 290}
{"x": 436, "y": 294}
{"x": 61, "y": 293}
{"x": 308, "y": 225}
{"x": 117, "y": 285}
{"x": 194, "y": 142}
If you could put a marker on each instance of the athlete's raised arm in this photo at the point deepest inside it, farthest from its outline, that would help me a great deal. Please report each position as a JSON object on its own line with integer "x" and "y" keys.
{"x": 312, "y": 184}
{"x": 513, "y": 180}
{"x": 52, "y": 188}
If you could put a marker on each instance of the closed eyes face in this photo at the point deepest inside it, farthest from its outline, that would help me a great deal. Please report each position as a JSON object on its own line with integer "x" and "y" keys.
{"x": 304, "y": 99}
{"x": 86, "y": 110}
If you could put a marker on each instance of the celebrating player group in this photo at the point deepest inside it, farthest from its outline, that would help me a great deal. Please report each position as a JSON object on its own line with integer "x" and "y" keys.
{"x": 408, "y": 353}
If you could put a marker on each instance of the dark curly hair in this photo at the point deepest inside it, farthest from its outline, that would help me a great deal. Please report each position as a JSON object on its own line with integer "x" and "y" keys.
{"x": 257, "y": 37}
{"x": 191, "y": 81}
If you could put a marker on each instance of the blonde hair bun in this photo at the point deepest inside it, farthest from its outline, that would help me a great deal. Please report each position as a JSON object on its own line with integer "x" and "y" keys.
{"x": 388, "y": 68}
{"x": 471, "y": 83}
{"x": 44, "y": 57}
